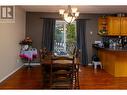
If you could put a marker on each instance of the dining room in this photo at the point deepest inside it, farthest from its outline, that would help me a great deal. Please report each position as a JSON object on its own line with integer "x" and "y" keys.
{"x": 44, "y": 50}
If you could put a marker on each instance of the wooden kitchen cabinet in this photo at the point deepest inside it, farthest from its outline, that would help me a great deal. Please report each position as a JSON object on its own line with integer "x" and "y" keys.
{"x": 114, "y": 61}
{"x": 123, "y": 26}
{"x": 102, "y": 25}
{"x": 115, "y": 26}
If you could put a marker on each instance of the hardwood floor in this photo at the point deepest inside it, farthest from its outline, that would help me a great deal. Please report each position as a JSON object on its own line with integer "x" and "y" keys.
{"x": 24, "y": 79}
{"x": 89, "y": 79}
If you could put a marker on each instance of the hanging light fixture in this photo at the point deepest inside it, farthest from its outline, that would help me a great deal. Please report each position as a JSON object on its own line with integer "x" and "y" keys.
{"x": 70, "y": 14}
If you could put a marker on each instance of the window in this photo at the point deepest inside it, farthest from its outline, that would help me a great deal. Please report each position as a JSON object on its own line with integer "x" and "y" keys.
{"x": 64, "y": 38}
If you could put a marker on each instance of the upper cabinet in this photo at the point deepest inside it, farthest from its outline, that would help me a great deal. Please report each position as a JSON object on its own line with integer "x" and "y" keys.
{"x": 103, "y": 25}
{"x": 123, "y": 26}
{"x": 115, "y": 26}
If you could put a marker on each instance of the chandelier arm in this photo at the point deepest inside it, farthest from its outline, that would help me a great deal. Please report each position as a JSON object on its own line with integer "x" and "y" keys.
{"x": 72, "y": 19}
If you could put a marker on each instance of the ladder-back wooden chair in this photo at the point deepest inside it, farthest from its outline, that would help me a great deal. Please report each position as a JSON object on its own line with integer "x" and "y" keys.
{"x": 62, "y": 72}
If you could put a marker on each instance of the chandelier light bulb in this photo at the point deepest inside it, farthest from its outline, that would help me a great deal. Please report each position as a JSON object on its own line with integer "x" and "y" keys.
{"x": 65, "y": 15}
{"x": 77, "y": 14}
{"x": 61, "y": 11}
{"x": 74, "y": 10}
{"x": 73, "y": 19}
{"x": 68, "y": 19}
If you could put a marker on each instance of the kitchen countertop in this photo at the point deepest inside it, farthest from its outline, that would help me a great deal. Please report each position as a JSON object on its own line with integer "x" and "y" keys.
{"x": 111, "y": 48}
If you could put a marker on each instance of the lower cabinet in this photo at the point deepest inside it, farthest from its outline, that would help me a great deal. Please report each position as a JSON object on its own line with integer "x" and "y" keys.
{"x": 114, "y": 62}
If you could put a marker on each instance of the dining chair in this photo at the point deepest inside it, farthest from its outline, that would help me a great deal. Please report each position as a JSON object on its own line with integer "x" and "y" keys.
{"x": 45, "y": 61}
{"x": 62, "y": 73}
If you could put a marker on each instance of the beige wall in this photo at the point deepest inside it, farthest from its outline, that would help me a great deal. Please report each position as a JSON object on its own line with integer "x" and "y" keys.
{"x": 10, "y": 36}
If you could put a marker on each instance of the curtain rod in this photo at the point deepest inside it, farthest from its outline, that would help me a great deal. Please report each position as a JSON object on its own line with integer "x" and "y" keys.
{"x": 62, "y": 19}
{"x": 48, "y": 17}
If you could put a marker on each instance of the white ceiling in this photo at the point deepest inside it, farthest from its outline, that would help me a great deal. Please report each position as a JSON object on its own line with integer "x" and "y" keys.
{"x": 81, "y": 8}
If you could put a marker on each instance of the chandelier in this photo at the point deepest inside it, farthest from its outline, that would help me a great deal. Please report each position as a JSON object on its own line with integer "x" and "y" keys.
{"x": 70, "y": 14}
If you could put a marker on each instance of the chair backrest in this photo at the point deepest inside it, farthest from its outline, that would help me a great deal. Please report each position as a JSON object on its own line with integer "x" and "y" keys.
{"x": 40, "y": 55}
{"x": 74, "y": 51}
{"x": 77, "y": 58}
{"x": 45, "y": 54}
{"x": 62, "y": 63}
{"x": 78, "y": 53}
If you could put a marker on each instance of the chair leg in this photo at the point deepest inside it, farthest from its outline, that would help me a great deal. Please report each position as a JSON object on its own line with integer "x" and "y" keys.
{"x": 95, "y": 66}
{"x": 75, "y": 81}
{"x": 78, "y": 80}
{"x": 101, "y": 66}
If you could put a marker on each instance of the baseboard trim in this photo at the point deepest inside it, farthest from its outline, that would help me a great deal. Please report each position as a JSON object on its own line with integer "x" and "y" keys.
{"x": 33, "y": 64}
{"x": 11, "y": 73}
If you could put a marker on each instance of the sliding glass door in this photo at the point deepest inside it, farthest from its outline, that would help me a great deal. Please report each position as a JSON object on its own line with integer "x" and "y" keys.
{"x": 64, "y": 38}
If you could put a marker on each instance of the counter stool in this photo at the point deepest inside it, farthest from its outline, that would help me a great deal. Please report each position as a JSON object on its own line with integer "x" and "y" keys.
{"x": 95, "y": 63}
